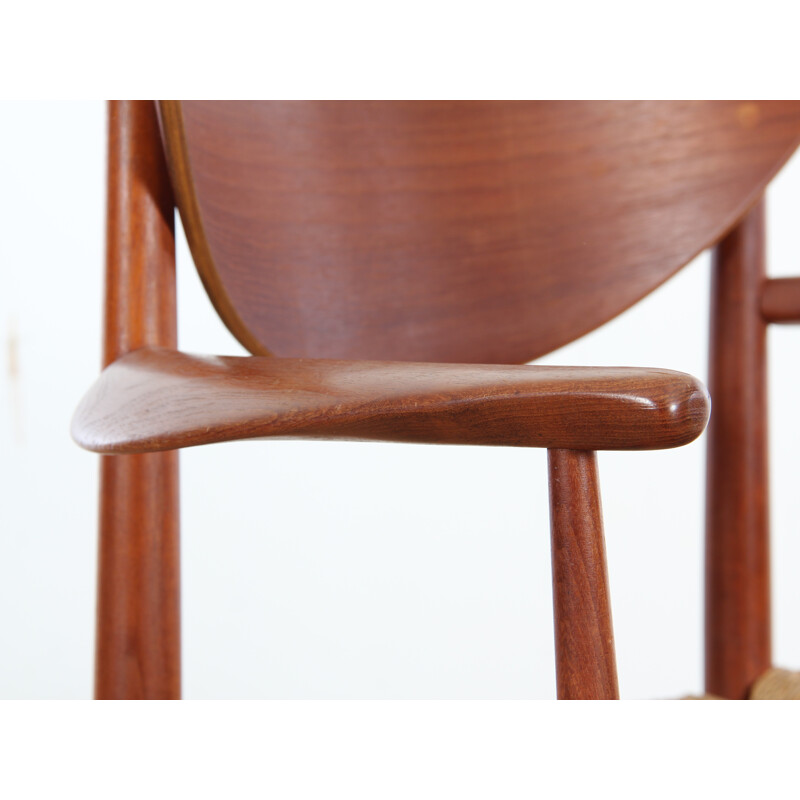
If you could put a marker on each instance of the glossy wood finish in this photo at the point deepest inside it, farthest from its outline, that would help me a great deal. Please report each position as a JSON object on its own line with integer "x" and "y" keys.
{"x": 737, "y": 545}
{"x": 435, "y": 232}
{"x": 780, "y": 300}
{"x": 138, "y": 614}
{"x": 482, "y": 232}
{"x": 586, "y": 667}
{"x": 161, "y": 399}
{"x": 138, "y": 652}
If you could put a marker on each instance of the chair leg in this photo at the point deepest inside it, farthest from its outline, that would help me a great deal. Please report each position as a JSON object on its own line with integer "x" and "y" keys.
{"x": 138, "y": 616}
{"x": 138, "y": 610}
{"x": 586, "y": 667}
{"x": 738, "y": 635}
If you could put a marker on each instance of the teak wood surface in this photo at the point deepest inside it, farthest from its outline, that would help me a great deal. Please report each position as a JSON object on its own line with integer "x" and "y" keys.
{"x": 780, "y": 300}
{"x": 156, "y": 399}
{"x": 481, "y": 232}
{"x": 586, "y": 666}
{"x": 138, "y": 607}
{"x": 401, "y": 259}
{"x": 738, "y": 630}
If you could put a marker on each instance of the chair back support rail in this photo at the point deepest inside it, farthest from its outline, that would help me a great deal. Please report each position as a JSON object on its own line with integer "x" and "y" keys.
{"x": 366, "y": 253}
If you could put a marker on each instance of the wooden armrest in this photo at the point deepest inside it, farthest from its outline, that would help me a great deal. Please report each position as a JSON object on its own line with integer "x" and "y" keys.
{"x": 155, "y": 399}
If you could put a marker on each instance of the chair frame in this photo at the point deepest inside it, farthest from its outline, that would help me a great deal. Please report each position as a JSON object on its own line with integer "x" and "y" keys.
{"x": 138, "y": 619}
{"x": 138, "y": 652}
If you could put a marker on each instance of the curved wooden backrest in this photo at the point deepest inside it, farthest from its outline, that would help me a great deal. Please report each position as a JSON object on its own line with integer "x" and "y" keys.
{"x": 456, "y": 231}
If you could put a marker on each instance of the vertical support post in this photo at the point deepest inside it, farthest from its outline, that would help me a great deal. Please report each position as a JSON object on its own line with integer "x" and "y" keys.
{"x": 138, "y": 611}
{"x": 586, "y": 666}
{"x": 738, "y": 634}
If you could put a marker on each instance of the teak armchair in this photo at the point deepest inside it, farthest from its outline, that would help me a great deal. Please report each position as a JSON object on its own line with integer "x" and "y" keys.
{"x": 383, "y": 261}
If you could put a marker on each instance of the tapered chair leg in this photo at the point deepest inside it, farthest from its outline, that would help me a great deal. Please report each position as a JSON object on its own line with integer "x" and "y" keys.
{"x": 138, "y": 610}
{"x": 738, "y": 636}
{"x": 586, "y": 667}
{"x": 138, "y": 620}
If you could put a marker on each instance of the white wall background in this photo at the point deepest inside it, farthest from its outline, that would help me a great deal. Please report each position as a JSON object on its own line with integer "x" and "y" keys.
{"x": 343, "y": 570}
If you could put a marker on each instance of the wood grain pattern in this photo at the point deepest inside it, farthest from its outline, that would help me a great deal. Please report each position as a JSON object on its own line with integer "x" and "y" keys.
{"x": 138, "y": 647}
{"x": 138, "y": 610}
{"x": 780, "y": 300}
{"x": 481, "y": 232}
{"x": 156, "y": 399}
{"x": 586, "y": 667}
{"x": 412, "y": 234}
{"x": 738, "y": 635}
